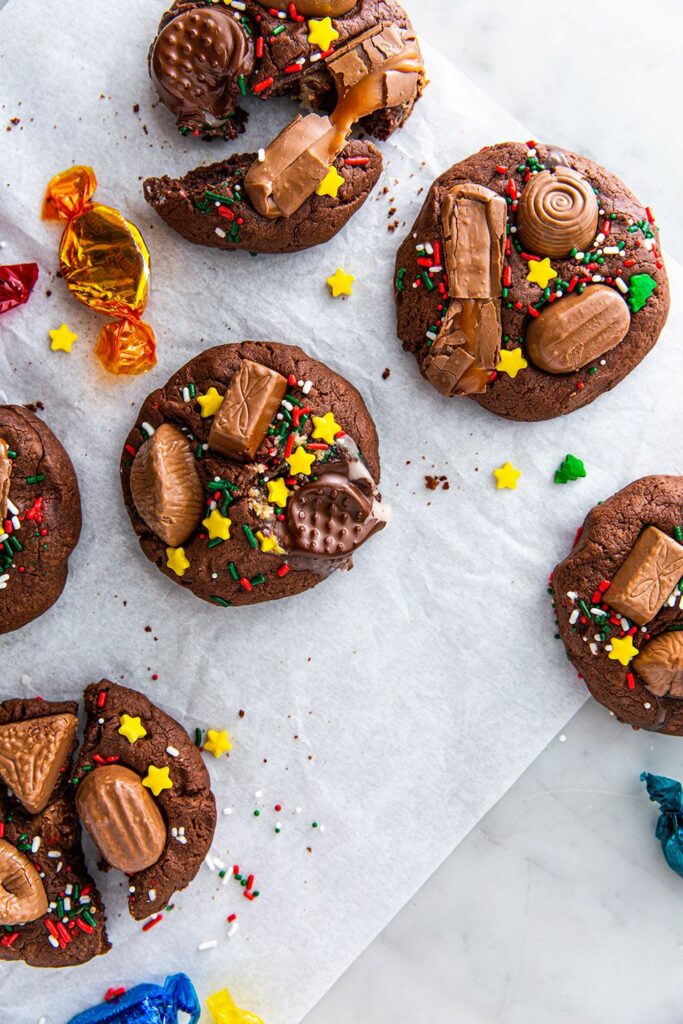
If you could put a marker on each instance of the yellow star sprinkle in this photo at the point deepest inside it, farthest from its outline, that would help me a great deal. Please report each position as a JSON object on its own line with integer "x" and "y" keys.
{"x": 322, "y": 33}
{"x": 540, "y": 272}
{"x": 301, "y": 461}
{"x": 511, "y": 362}
{"x": 132, "y": 728}
{"x": 507, "y": 477}
{"x": 341, "y": 283}
{"x": 623, "y": 649}
{"x": 157, "y": 779}
{"x": 210, "y": 403}
{"x": 177, "y": 560}
{"x": 330, "y": 184}
{"x": 278, "y": 492}
{"x": 62, "y": 339}
{"x": 217, "y": 525}
{"x": 325, "y": 427}
{"x": 218, "y": 743}
{"x": 269, "y": 543}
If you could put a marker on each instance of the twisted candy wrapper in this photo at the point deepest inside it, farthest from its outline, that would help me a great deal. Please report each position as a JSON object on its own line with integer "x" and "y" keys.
{"x": 16, "y": 284}
{"x": 669, "y": 795}
{"x": 147, "y": 1004}
{"x": 105, "y": 264}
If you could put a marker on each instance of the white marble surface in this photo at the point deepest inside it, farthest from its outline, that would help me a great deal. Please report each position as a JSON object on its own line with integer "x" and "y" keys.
{"x": 559, "y": 905}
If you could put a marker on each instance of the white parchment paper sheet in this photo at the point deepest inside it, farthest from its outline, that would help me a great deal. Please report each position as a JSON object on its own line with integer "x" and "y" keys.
{"x": 393, "y": 705}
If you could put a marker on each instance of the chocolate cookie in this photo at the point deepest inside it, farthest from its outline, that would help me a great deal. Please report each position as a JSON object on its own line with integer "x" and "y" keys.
{"x": 252, "y": 475}
{"x": 51, "y": 914}
{"x": 40, "y": 517}
{"x": 356, "y": 64}
{"x": 532, "y": 282}
{"x": 143, "y": 793}
{"x": 619, "y": 604}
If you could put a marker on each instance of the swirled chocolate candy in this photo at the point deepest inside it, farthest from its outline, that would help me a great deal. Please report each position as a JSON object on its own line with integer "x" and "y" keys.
{"x": 618, "y": 603}
{"x": 576, "y": 292}
{"x": 165, "y": 485}
{"x": 22, "y": 893}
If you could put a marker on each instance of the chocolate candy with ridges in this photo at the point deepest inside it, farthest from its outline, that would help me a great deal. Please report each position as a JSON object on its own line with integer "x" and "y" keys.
{"x": 577, "y": 329}
{"x": 22, "y": 893}
{"x": 32, "y": 756}
{"x": 647, "y": 578}
{"x": 660, "y": 665}
{"x": 330, "y": 517}
{"x": 251, "y": 401}
{"x": 558, "y": 211}
{"x": 122, "y": 818}
{"x": 166, "y": 486}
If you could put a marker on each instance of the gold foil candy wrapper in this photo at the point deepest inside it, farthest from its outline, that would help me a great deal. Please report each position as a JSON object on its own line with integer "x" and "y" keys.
{"x": 105, "y": 265}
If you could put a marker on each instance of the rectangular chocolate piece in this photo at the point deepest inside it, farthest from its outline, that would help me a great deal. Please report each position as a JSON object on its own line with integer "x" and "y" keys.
{"x": 473, "y": 220}
{"x": 5, "y": 474}
{"x": 648, "y": 576}
{"x": 467, "y": 348}
{"x": 251, "y": 401}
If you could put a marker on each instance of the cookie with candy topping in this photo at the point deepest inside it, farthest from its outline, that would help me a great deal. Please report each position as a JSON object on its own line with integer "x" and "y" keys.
{"x": 355, "y": 65}
{"x": 40, "y": 517}
{"x": 532, "y": 282}
{"x": 51, "y": 914}
{"x": 619, "y": 604}
{"x": 287, "y": 456}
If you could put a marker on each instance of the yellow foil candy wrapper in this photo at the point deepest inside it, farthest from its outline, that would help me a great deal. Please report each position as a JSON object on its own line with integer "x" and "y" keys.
{"x": 105, "y": 264}
{"x": 223, "y": 1010}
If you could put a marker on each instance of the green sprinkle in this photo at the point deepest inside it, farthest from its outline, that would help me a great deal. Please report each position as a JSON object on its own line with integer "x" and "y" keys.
{"x": 242, "y": 84}
{"x": 220, "y": 601}
{"x": 257, "y": 580}
{"x": 248, "y": 533}
{"x": 314, "y": 824}
{"x": 232, "y": 569}
{"x": 678, "y": 534}
{"x": 401, "y": 279}
{"x": 215, "y": 542}
{"x": 257, "y": 814}
{"x": 198, "y": 734}
{"x": 36, "y": 479}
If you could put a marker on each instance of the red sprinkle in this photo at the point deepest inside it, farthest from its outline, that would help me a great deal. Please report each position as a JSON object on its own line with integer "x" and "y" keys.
{"x": 501, "y": 170}
{"x": 507, "y": 276}
{"x": 283, "y": 570}
{"x": 130, "y": 449}
{"x": 357, "y": 161}
{"x": 262, "y": 86}
{"x": 250, "y": 883}
{"x": 113, "y": 993}
{"x": 289, "y": 445}
{"x": 231, "y": 918}
{"x": 246, "y": 584}
{"x": 225, "y": 211}
{"x": 533, "y": 312}
{"x": 292, "y": 69}
{"x": 259, "y": 47}
{"x": 631, "y": 680}
{"x": 101, "y": 698}
{"x": 152, "y": 921}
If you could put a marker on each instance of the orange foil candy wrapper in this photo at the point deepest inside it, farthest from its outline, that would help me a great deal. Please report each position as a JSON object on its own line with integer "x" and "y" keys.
{"x": 106, "y": 266}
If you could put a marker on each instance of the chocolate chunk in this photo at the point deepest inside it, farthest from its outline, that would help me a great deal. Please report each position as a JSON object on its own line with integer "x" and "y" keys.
{"x": 295, "y": 163}
{"x": 32, "y": 756}
{"x": 166, "y": 486}
{"x": 196, "y": 61}
{"x": 22, "y": 893}
{"x": 330, "y": 517}
{"x": 556, "y": 157}
{"x": 660, "y": 665}
{"x": 122, "y": 818}
{"x": 5, "y": 474}
{"x": 474, "y": 219}
{"x": 575, "y": 330}
{"x": 558, "y": 212}
{"x": 251, "y": 401}
{"x": 467, "y": 348}
{"x": 647, "y": 578}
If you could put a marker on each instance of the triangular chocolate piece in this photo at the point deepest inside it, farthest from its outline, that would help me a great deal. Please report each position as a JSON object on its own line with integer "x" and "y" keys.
{"x": 32, "y": 755}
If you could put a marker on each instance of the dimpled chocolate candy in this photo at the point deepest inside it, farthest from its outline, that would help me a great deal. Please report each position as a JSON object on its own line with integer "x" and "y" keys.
{"x": 121, "y": 816}
{"x": 660, "y": 665}
{"x": 648, "y": 576}
{"x": 32, "y": 756}
{"x": 330, "y": 517}
{"x": 558, "y": 212}
{"x": 250, "y": 403}
{"x": 581, "y": 327}
{"x": 22, "y": 893}
{"x": 166, "y": 487}
{"x": 5, "y": 474}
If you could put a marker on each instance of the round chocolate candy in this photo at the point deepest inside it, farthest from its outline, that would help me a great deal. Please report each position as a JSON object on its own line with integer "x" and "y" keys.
{"x": 166, "y": 487}
{"x": 329, "y": 517}
{"x": 577, "y": 329}
{"x": 121, "y": 816}
{"x": 558, "y": 211}
{"x": 22, "y": 893}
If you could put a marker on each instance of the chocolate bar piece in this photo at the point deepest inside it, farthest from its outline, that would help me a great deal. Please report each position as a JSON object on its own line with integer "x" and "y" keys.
{"x": 467, "y": 348}
{"x": 473, "y": 219}
{"x": 660, "y": 665}
{"x": 381, "y": 68}
{"x": 250, "y": 403}
{"x": 5, "y": 474}
{"x": 648, "y": 576}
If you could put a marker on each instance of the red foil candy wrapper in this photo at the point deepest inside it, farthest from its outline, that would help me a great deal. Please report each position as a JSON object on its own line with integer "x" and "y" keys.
{"x": 106, "y": 265}
{"x": 16, "y": 284}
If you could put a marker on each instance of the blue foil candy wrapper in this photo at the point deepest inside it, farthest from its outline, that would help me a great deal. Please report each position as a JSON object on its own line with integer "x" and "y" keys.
{"x": 147, "y": 1004}
{"x": 669, "y": 795}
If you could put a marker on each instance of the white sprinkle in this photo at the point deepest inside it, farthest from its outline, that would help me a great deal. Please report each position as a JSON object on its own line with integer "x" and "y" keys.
{"x": 219, "y": 863}
{"x": 233, "y": 928}
{"x": 625, "y": 624}
{"x": 574, "y": 617}
{"x": 600, "y": 239}
{"x": 647, "y": 705}
{"x": 152, "y": 895}
{"x": 288, "y": 405}
{"x": 298, "y": 810}
{"x": 35, "y": 845}
{"x": 220, "y": 232}
{"x": 85, "y": 900}
{"x": 67, "y": 903}
{"x": 214, "y": 575}
{"x": 611, "y": 250}
{"x": 186, "y": 394}
{"x": 596, "y": 278}
{"x": 562, "y": 738}
{"x": 211, "y": 944}
{"x": 262, "y": 155}
{"x": 53, "y": 941}
{"x": 572, "y": 595}
{"x": 307, "y": 387}
{"x": 648, "y": 243}
{"x": 208, "y": 860}
{"x": 3, "y": 581}
{"x": 147, "y": 429}
{"x": 172, "y": 752}
{"x": 54, "y": 854}
{"x": 278, "y": 826}
{"x": 431, "y": 335}
{"x": 227, "y": 810}
{"x": 12, "y": 507}
{"x": 579, "y": 256}
{"x": 43, "y": 1020}
{"x": 68, "y": 889}
{"x": 321, "y": 828}
{"x": 59, "y": 867}
{"x": 131, "y": 890}
{"x": 594, "y": 649}
{"x": 258, "y": 793}
{"x": 100, "y": 721}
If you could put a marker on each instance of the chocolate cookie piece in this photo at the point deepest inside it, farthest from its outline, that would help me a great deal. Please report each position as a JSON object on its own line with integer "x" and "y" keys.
{"x": 289, "y": 496}
{"x": 71, "y": 930}
{"x": 619, "y": 604}
{"x": 173, "y": 838}
{"x": 42, "y": 518}
{"x": 582, "y": 294}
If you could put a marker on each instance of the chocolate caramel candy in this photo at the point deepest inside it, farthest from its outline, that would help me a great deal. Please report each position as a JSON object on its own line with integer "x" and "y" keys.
{"x": 5, "y": 474}
{"x": 330, "y": 517}
{"x": 121, "y": 816}
{"x": 33, "y": 754}
{"x": 166, "y": 486}
{"x": 251, "y": 401}
{"x": 558, "y": 211}
{"x": 575, "y": 330}
{"x": 22, "y": 893}
{"x": 660, "y": 665}
{"x": 196, "y": 61}
{"x": 319, "y": 8}
{"x": 647, "y": 578}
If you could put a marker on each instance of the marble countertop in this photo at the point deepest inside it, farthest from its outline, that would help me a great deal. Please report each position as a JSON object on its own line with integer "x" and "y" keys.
{"x": 559, "y": 905}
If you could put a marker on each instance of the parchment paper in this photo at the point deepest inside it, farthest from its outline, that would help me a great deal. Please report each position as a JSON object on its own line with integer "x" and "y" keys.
{"x": 393, "y": 705}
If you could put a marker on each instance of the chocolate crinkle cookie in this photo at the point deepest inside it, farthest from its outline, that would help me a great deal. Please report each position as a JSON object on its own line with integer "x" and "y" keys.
{"x": 619, "y": 604}
{"x": 532, "y": 281}
{"x": 40, "y": 517}
{"x": 350, "y": 64}
{"x": 252, "y": 475}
